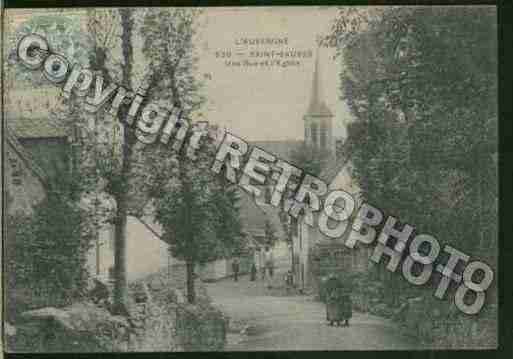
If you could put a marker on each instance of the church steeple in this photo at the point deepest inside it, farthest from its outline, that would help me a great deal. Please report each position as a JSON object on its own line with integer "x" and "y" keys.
{"x": 318, "y": 117}
{"x": 317, "y": 105}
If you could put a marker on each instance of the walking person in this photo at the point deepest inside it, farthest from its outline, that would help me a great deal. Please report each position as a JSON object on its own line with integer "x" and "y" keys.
{"x": 235, "y": 268}
{"x": 331, "y": 290}
{"x": 269, "y": 265}
{"x": 289, "y": 281}
{"x": 261, "y": 263}
{"x": 346, "y": 303}
{"x": 253, "y": 275}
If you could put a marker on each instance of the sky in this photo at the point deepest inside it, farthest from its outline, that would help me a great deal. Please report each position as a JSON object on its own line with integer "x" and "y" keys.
{"x": 267, "y": 103}
{"x": 263, "y": 102}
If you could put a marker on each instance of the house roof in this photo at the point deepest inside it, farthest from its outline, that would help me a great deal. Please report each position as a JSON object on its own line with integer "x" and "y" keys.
{"x": 25, "y": 155}
{"x": 255, "y": 216}
{"x": 252, "y": 216}
{"x": 37, "y": 127}
{"x": 273, "y": 215}
{"x": 281, "y": 149}
{"x": 329, "y": 173}
{"x": 31, "y": 113}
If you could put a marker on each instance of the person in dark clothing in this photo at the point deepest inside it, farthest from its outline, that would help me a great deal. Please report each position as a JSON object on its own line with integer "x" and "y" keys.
{"x": 269, "y": 265}
{"x": 235, "y": 268}
{"x": 345, "y": 301}
{"x": 253, "y": 272}
{"x": 338, "y": 300}
{"x": 331, "y": 295}
{"x": 289, "y": 281}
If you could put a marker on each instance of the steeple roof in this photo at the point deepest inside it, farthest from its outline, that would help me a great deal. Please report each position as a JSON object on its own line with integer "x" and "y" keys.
{"x": 317, "y": 105}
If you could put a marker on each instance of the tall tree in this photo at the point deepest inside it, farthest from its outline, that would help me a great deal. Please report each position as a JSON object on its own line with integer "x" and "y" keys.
{"x": 421, "y": 145}
{"x": 121, "y": 192}
{"x": 111, "y": 33}
{"x": 197, "y": 210}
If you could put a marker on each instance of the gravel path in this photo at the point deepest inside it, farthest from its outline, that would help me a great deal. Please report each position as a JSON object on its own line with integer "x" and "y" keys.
{"x": 279, "y": 322}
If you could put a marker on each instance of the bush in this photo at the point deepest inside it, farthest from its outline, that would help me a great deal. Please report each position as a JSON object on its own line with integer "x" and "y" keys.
{"x": 45, "y": 255}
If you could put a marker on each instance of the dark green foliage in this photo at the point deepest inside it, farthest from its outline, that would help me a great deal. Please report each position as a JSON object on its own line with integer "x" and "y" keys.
{"x": 421, "y": 83}
{"x": 310, "y": 159}
{"x": 46, "y": 253}
{"x": 198, "y": 210}
{"x": 228, "y": 226}
{"x": 169, "y": 47}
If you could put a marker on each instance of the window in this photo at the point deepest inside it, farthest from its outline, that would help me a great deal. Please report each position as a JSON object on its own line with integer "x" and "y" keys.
{"x": 112, "y": 236}
{"x": 324, "y": 135}
{"x": 313, "y": 131}
{"x": 17, "y": 171}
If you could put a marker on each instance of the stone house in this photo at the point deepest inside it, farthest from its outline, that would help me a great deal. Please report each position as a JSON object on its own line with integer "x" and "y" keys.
{"x": 317, "y": 255}
{"x": 42, "y": 146}
{"x": 254, "y": 217}
{"x": 39, "y": 148}
{"x": 25, "y": 182}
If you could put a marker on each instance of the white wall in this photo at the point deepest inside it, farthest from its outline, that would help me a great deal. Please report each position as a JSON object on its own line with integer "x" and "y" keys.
{"x": 146, "y": 254}
{"x": 344, "y": 181}
{"x": 106, "y": 252}
{"x": 309, "y": 235}
{"x": 214, "y": 270}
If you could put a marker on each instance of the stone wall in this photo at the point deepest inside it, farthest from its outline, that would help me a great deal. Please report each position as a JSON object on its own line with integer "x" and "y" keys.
{"x": 201, "y": 328}
{"x": 198, "y": 327}
{"x": 159, "y": 320}
{"x": 435, "y": 323}
{"x": 441, "y": 325}
{"x": 81, "y": 327}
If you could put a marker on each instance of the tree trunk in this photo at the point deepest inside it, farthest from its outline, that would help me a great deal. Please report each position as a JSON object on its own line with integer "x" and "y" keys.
{"x": 191, "y": 294}
{"x": 120, "y": 272}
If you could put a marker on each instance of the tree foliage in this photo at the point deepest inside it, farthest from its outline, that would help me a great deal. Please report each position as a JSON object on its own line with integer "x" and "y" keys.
{"x": 169, "y": 47}
{"x": 46, "y": 252}
{"x": 421, "y": 83}
{"x": 311, "y": 159}
{"x": 198, "y": 211}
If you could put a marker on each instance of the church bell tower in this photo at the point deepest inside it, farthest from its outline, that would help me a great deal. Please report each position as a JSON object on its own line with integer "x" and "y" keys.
{"x": 318, "y": 119}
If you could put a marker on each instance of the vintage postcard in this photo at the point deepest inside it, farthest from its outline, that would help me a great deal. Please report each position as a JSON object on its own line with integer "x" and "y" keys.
{"x": 250, "y": 179}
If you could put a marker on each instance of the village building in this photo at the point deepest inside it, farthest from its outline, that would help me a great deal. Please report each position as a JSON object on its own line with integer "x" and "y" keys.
{"x": 254, "y": 218}
{"x": 40, "y": 148}
{"x": 314, "y": 255}
{"x": 25, "y": 182}
{"x": 317, "y": 255}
